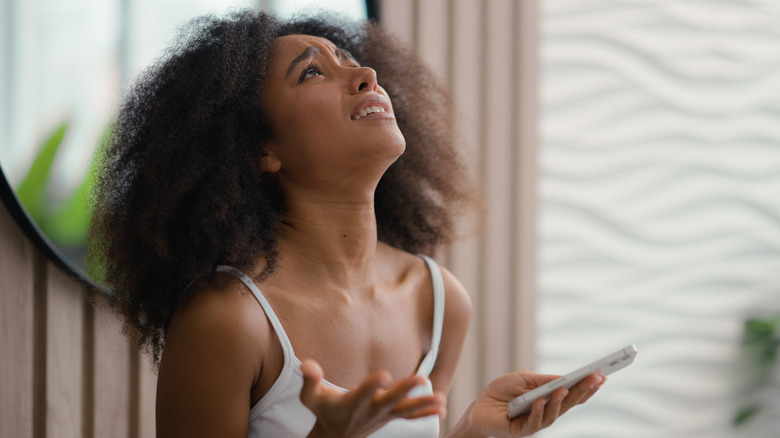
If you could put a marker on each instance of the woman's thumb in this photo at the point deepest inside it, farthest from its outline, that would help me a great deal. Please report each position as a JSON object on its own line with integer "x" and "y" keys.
{"x": 312, "y": 382}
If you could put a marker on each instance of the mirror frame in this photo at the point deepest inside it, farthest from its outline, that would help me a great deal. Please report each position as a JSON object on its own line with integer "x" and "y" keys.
{"x": 39, "y": 238}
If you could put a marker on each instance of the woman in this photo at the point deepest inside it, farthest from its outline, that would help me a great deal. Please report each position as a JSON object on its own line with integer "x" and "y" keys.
{"x": 264, "y": 199}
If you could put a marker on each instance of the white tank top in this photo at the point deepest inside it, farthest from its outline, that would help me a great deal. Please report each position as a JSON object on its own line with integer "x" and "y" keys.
{"x": 280, "y": 412}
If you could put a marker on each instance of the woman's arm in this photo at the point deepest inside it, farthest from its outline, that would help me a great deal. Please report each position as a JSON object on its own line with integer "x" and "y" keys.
{"x": 457, "y": 315}
{"x": 210, "y": 364}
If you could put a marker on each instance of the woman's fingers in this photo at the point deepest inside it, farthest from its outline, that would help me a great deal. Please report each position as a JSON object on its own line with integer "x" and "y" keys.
{"x": 546, "y": 410}
{"x": 583, "y": 391}
{"x": 400, "y": 389}
{"x": 553, "y": 408}
{"x": 594, "y": 388}
{"x": 422, "y": 406}
{"x": 534, "y": 421}
{"x": 366, "y": 393}
{"x": 395, "y": 400}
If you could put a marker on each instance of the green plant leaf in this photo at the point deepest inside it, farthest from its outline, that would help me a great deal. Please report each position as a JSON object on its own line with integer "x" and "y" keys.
{"x": 69, "y": 224}
{"x": 32, "y": 190}
{"x": 761, "y": 341}
{"x": 745, "y": 415}
{"x": 757, "y": 329}
{"x": 760, "y": 353}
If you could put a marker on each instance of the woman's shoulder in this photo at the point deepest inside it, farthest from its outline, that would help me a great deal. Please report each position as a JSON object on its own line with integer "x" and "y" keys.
{"x": 215, "y": 349}
{"x": 216, "y": 297}
{"x": 457, "y": 300}
{"x": 219, "y": 311}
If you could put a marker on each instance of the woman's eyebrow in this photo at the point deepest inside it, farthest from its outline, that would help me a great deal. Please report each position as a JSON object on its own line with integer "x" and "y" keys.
{"x": 314, "y": 50}
{"x": 344, "y": 54}
{"x": 307, "y": 53}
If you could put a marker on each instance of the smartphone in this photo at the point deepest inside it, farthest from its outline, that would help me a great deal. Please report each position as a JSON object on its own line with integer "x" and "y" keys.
{"x": 606, "y": 365}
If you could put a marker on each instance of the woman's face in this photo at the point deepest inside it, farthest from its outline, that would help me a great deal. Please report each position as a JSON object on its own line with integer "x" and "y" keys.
{"x": 332, "y": 123}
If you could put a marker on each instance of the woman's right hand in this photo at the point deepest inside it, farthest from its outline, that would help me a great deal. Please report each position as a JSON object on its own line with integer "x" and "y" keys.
{"x": 370, "y": 406}
{"x": 487, "y": 415}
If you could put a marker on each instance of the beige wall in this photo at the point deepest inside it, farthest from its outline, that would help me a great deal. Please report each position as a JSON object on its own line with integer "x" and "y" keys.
{"x": 486, "y": 53}
{"x": 66, "y": 368}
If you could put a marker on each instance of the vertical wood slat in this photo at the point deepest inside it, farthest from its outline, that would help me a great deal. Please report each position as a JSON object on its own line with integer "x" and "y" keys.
{"x": 498, "y": 190}
{"x": 525, "y": 163}
{"x": 486, "y": 52}
{"x": 16, "y": 330}
{"x": 147, "y": 390}
{"x": 111, "y": 384}
{"x": 430, "y": 33}
{"x": 64, "y": 353}
{"x": 398, "y": 16}
{"x": 464, "y": 257}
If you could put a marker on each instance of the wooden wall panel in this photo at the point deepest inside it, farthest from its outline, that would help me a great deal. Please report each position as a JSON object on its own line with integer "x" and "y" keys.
{"x": 66, "y": 368}
{"x": 16, "y": 330}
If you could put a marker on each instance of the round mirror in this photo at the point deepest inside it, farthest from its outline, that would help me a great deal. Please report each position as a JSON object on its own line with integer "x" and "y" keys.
{"x": 65, "y": 65}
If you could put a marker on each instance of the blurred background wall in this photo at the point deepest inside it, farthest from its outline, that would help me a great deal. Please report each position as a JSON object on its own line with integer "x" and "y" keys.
{"x": 659, "y": 212}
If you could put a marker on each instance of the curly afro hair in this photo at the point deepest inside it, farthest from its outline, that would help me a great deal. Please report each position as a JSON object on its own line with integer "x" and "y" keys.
{"x": 176, "y": 196}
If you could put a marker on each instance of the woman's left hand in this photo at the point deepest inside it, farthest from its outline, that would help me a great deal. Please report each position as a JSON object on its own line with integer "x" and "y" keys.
{"x": 487, "y": 415}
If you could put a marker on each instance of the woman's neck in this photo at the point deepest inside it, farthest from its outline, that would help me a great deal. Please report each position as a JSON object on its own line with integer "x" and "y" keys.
{"x": 330, "y": 243}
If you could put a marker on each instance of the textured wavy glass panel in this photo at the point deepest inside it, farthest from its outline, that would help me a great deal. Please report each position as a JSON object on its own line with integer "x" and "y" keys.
{"x": 660, "y": 207}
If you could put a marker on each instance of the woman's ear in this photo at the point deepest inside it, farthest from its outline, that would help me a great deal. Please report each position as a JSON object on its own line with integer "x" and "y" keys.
{"x": 269, "y": 163}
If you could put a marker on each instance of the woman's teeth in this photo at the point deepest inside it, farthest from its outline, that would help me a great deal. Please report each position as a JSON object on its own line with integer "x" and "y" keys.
{"x": 368, "y": 110}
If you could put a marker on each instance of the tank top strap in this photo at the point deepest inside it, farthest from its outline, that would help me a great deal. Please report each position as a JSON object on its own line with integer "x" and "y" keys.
{"x": 287, "y": 349}
{"x": 426, "y": 366}
{"x": 269, "y": 311}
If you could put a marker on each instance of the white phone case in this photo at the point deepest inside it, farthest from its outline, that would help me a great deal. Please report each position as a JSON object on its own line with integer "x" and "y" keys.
{"x": 608, "y": 364}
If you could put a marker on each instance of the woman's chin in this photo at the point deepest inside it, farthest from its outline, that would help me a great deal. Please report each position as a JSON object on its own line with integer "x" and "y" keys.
{"x": 398, "y": 144}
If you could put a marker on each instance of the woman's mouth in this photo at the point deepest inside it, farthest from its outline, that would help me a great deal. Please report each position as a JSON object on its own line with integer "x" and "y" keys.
{"x": 368, "y": 110}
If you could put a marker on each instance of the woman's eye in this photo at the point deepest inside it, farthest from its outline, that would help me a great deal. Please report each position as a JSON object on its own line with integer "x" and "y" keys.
{"x": 310, "y": 71}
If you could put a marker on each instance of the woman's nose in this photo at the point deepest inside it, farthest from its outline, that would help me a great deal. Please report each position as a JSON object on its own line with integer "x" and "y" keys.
{"x": 364, "y": 79}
